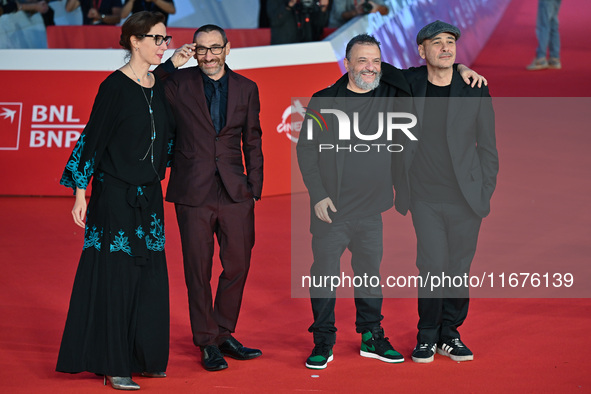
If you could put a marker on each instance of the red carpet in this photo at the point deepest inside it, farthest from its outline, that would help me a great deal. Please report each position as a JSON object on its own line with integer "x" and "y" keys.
{"x": 513, "y": 45}
{"x": 539, "y": 219}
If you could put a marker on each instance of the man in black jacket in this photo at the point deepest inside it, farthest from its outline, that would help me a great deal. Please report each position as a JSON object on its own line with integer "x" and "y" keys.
{"x": 349, "y": 179}
{"x": 297, "y": 20}
{"x": 447, "y": 180}
{"x": 342, "y": 173}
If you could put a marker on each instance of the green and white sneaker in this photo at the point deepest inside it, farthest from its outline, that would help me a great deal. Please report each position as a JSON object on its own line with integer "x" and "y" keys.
{"x": 375, "y": 345}
{"x": 320, "y": 357}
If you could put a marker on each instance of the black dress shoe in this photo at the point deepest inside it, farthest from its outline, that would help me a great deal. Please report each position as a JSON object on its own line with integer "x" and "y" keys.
{"x": 232, "y": 348}
{"x": 212, "y": 359}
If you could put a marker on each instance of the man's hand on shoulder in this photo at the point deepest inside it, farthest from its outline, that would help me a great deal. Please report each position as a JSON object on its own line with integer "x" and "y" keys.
{"x": 468, "y": 74}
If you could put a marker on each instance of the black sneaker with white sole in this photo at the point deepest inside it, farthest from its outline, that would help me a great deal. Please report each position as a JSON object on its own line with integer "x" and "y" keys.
{"x": 320, "y": 357}
{"x": 424, "y": 353}
{"x": 455, "y": 349}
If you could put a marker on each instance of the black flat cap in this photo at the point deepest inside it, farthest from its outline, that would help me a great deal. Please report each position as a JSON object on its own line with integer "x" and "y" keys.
{"x": 434, "y": 28}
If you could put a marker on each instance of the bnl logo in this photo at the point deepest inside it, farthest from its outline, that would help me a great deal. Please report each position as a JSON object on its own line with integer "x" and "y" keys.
{"x": 10, "y": 125}
{"x": 386, "y": 122}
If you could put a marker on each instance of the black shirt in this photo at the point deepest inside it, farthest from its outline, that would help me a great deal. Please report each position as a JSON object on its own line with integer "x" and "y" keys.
{"x": 104, "y": 7}
{"x": 432, "y": 176}
{"x": 143, "y": 5}
{"x": 208, "y": 87}
{"x": 366, "y": 185}
{"x": 296, "y": 24}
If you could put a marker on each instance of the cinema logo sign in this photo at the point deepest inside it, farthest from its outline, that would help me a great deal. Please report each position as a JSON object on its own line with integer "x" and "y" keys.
{"x": 291, "y": 121}
{"x": 54, "y": 126}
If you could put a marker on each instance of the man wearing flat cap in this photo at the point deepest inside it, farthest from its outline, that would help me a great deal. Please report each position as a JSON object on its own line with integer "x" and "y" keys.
{"x": 349, "y": 190}
{"x": 446, "y": 180}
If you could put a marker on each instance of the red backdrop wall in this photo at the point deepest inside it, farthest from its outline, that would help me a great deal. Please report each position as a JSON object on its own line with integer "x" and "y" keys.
{"x": 43, "y": 112}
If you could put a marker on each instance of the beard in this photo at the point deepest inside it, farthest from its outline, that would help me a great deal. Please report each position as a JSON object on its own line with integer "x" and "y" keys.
{"x": 367, "y": 85}
{"x": 209, "y": 70}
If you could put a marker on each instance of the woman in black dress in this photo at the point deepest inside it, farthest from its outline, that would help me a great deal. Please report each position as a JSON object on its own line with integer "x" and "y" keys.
{"x": 118, "y": 321}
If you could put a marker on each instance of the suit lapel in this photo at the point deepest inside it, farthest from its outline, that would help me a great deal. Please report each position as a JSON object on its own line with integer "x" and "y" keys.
{"x": 200, "y": 99}
{"x": 419, "y": 92}
{"x": 233, "y": 95}
{"x": 454, "y": 104}
{"x": 340, "y": 156}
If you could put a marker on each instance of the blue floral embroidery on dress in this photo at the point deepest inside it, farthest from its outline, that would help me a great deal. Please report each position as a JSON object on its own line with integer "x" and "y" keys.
{"x": 92, "y": 238}
{"x": 157, "y": 231}
{"x": 121, "y": 243}
{"x": 170, "y": 151}
{"x": 78, "y": 178}
{"x": 139, "y": 232}
{"x": 140, "y": 191}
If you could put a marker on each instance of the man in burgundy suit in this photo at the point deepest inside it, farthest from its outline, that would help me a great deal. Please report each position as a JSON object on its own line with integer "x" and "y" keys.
{"x": 217, "y": 115}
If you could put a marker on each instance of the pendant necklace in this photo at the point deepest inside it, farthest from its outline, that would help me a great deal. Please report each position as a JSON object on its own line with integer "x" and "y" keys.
{"x": 138, "y": 79}
{"x": 152, "y": 123}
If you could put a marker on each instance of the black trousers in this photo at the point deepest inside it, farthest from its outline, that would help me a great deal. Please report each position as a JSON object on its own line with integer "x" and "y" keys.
{"x": 363, "y": 237}
{"x": 447, "y": 234}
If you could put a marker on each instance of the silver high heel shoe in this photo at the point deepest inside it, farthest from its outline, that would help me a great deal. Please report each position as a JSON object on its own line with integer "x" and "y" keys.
{"x": 153, "y": 374}
{"x": 121, "y": 383}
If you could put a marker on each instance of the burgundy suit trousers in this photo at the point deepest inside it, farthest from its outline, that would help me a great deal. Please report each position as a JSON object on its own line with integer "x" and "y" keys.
{"x": 232, "y": 223}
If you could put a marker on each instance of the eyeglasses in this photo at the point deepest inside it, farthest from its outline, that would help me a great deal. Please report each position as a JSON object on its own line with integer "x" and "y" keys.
{"x": 214, "y": 50}
{"x": 158, "y": 39}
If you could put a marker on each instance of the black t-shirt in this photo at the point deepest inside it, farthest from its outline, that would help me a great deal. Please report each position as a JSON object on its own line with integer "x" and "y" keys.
{"x": 366, "y": 184}
{"x": 432, "y": 177}
{"x": 143, "y": 5}
{"x": 102, "y": 6}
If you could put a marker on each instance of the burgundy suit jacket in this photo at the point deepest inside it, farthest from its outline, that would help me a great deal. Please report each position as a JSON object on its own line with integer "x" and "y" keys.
{"x": 199, "y": 150}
